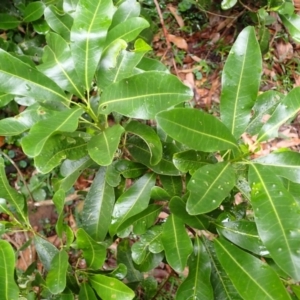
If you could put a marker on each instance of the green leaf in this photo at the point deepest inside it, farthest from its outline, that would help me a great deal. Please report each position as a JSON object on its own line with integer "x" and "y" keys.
{"x": 46, "y": 251}
{"x": 172, "y": 185}
{"x": 8, "y": 287}
{"x": 292, "y": 23}
{"x": 178, "y": 208}
{"x": 10, "y": 194}
{"x": 240, "y": 82}
{"x": 286, "y": 110}
{"x": 110, "y": 288}
{"x": 150, "y": 262}
{"x": 244, "y": 234}
{"x": 209, "y": 186}
{"x": 58, "y": 148}
{"x": 33, "y": 11}
{"x": 98, "y": 207}
{"x": 150, "y": 138}
{"x": 176, "y": 242}
{"x": 59, "y": 66}
{"x": 132, "y": 201}
{"x": 149, "y": 64}
{"x": 277, "y": 217}
{"x": 8, "y": 22}
{"x": 58, "y": 22}
{"x": 41, "y": 27}
{"x": 140, "y": 152}
{"x": 196, "y": 129}
{"x": 222, "y": 286}
{"x": 253, "y": 278}
{"x": 5, "y": 99}
{"x": 129, "y": 169}
{"x": 66, "y": 120}
{"x": 88, "y": 34}
{"x": 284, "y": 164}
{"x": 93, "y": 252}
{"x": 158, "y": 193}
{"x": 197, "y": 284}
{"x": 227, "y": 4}
{"x": 59, "y": 201}
{"x": 103, "y": 147}
{"x": 56, "y": 278}
{"x": 18, "y": 78}
{"x": 265, "y": 105}
{"x": 143, "y": 95}
{"x": 126, "y": 10}
{"x": 86, "y": 292}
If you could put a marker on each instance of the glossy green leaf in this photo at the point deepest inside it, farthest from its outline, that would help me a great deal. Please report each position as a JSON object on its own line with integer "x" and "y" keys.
{"x": 293, "y": 188}
{"x": 103, "y": 147}
{"x": 8, "y": 22}
{"x": 253, "y": 278}
{"x": 11, "y": 195}
{"x": 209, "y": 186}
{"x": 41, "y": 26}
{"x": 110, "y": 288}
{"x": 292, "y": 23}
{"x": 172, "y": 185}
{"x": 119, "y": 272}
{"x": 140, "y": 152}
{"x": 150, "y": 64}
{"x": 176, "y": 242}
{"x": 244, "y": 234}
{"x": 46, "y": 251}
{"x": 126, "y": 10}
{"x": 178, "y": 208}
{"x": 98, "y": 207}
{"x": 18, "y": 78}
{"x": 56, "y": 278}
{"x": 197, "y": 284}
{"x": 222, "y": 285}
{"x": 129, "y": 169}
{"x": 284, "y": 164}
{"x": 86, "y": 292}
{"x": 142, "y": 96}
{"x": 132, "y": 201}
{"x": 189, "y": 160}
{"x": 69, "y": 6}
{"x": 66, "y": 120}
{"x": 59, "y": 201}
{"x": 158, "y": 193}
{"x": 71, "y": 170}
{"x": 93, "y": 252}
{"x": 264, "y": 39}
{"x": 33, "y": 11}
{"x": 240, "y": 82}
{"x": 58, "y": 148}
{"x": 59, "y": 66}
{"x": 150, "y": 262}
{"x": 88, "y": 34}
{"x": 150, "y": 138}
{"x": 277, "y": 217}
{"x": 227, "y": 4}
{"x": 286, "y": 110}
{"x": 265, "y": 105}
{"x": 196, "y": 129}
{"x": 112, "y": 176}
{"x": 5, "y": 99}
{"x": 59, "y": 23}
{"x": 8, "y": 287}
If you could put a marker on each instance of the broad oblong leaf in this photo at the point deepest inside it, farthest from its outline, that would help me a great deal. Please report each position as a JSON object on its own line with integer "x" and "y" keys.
{"x": 130, "y": 169}
{"x": 286, "y": 110}
{"x": 86, "y": 292}
{"x": 88, "y": 34}
{"x": 245, "y": 270}
{"x": 177, "y": 244}
{"x": 277, "y": 217}
{"x": 172, "y": 185}
{"x": 240, "y": 82}
{"x": 227, "y": 4}
{"x": 8, "y": 22}
{"x": 33, "y": 11}
{"x": 18, "y": 78}
{"x": 196, "y": 129}
{"x": 292, "y": 23}
{"x": 197, "y": 284}
{"x": 66, "y": 120}
{"x": 209, "y": 186}
{"x": 98, "y": 207}
{"x": 150, "y": 138}
{"x": 103, "y": 147}
{"x": 93, "y": 252}
{"x": 109, "y": 288}
{"x": 143, "y": 95}
{"x": 132, "y": 201}
{"x": 284, "y": 164}
{"x": 8, "y": 287}
{"x": 56, "y": 278}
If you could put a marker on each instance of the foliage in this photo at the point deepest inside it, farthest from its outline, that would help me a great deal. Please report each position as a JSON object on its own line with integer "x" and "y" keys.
{"x": 94, "y": 101}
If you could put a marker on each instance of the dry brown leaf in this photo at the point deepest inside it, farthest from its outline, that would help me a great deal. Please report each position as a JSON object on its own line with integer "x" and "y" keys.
{"x": 174, "y": 12}
{"x": 284, "y": 51}
{"x": 178, "y": 41}
{"x": 2, "y": 140}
